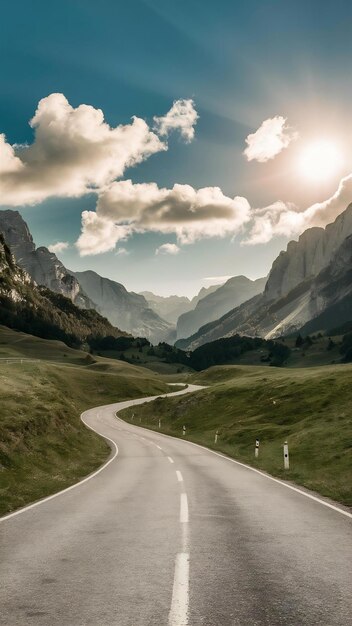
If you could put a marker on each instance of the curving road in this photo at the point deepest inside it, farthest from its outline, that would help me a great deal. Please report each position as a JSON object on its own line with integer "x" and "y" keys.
{"x": 168, "y": 533}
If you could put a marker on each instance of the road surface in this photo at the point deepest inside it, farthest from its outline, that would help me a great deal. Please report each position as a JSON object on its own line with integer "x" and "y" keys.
{"x": 171, "y": 534}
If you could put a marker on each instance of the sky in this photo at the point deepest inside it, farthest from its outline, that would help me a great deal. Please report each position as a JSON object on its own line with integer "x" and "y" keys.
{"x": 169, "y": 145}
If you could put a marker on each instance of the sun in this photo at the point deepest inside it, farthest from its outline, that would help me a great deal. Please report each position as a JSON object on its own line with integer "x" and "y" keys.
{"x": 320, "y": 160}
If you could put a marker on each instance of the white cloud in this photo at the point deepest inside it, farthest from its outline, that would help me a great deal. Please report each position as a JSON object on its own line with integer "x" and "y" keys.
{"x": 288, "y": 220}
{"x": 269, "y": 140}
{"x": 182, "y": 116}
{"x": 168, "y": 248}
{"x": 216, "y": 280}
{"x": 98, "y": 234}
{"x": 74, "y": 151}
{"x": 58, "y": 247}
{"x": 122, "y": 252}
{"x": 125, "y": 208}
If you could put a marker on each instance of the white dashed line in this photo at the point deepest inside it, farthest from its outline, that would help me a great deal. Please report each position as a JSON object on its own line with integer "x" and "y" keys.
{"x": 184, "y": 509}
{"x": 178, "y": 615}
{"x": 158, "y": 447}
{"x": 179, "y": 476}
{"x": 170, "y": 459}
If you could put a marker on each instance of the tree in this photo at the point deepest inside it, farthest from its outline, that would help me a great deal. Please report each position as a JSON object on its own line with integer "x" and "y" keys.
{"x": 299, "y": 341}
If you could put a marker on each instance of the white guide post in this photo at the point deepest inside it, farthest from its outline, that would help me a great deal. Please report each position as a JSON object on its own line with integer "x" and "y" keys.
{"x": 159, "y": 423}
{"x": 286, "y": 456}
{"x": 216, "y": 437}
{"x": 132, "y": 417}
{"x": 256, "y": 451}
{"x": 184, "y": 430}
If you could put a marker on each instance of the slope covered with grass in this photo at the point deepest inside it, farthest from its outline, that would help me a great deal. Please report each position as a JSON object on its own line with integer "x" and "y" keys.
{"x": 44, "y": 447}
{"x": 308, "y": 407}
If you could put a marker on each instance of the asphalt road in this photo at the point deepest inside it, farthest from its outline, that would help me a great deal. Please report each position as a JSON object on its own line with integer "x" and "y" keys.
{"x": 171, "y": 534}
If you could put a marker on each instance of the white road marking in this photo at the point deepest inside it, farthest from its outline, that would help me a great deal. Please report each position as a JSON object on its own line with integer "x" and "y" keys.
{"x": 178, "y": 615}
{"x": 84, "y": 480}
{"x": 267, "y": 476}
{"x": 184, "y": 509}
{"x": 158, "y": 447}
{"x": 170, "y": 459}
{"x": 179, "y": 476}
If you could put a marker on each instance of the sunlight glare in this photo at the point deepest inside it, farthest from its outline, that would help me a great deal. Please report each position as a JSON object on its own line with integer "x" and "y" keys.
{"x": 320, "y": 160}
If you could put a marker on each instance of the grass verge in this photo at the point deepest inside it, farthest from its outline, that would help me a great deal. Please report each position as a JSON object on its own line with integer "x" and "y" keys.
{"x": 308, "y": 407}
{"x": 44, "y": 447}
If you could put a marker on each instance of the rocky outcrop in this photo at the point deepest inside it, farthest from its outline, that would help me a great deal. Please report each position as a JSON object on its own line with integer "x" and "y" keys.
{"x": 42, "y": 266}
{"x": 127, "y": 310}
{"x": 214, "y": 305}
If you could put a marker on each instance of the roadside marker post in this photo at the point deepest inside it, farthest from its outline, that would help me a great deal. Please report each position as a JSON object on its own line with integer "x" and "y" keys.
{"x": 216, "y": 437}
{"x": 159, "y": 423}
{"x": 286, "y": 456}
{"x": 132, "y": 417}
{"x": 256, "y": 451}
{"x": 184, "y": 430}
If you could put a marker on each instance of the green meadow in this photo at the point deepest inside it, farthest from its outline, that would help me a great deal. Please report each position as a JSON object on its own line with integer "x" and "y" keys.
{"x": 308, "y": 407}
{"x": 44, "y": 447}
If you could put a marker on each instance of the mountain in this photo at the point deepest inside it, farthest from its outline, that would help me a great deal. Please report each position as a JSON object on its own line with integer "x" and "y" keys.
{"x": 42, "y": 266}
{"x": 169, "y": 307}
{"x": 37, "y": 310}
{"x": 125, "y": 309}
{"x": 309, "y": 288}
{"x": 212, "y": 306}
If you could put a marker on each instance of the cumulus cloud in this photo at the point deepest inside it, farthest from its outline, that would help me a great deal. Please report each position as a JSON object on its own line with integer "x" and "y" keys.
{"x": 99, "y": 234}
{"x": 74, "y": 151}
{"x": 269, "y": 140}
{"x": 182, "y": 116}
{"x": 58, "y": 247}
{"x": 285, "y": 219}
{"x": 124, "y": 208}
{"x": 168, "y": 248}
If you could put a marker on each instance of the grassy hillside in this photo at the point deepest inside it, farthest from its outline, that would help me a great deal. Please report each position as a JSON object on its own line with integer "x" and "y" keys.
{"x": 310, "y": 407}
{"x": 44, "y": 447}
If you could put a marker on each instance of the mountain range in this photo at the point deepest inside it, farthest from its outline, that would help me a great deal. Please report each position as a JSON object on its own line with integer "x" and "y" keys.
{"x": 214, "y": 305}
{"x": 145, "y": 315}
{"x": 171, "y": 307}
{"x": 124, "y": 309}
{"x": 40, "y": 311}
{"x": 309, "y": 289}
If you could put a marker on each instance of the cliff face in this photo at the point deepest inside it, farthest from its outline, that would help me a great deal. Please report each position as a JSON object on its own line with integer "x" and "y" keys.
{"x": 43, "y": 266}
{"x": 309, "y": 287}
{"x": 125, "y": 309}
{"x": 306, "y": 257}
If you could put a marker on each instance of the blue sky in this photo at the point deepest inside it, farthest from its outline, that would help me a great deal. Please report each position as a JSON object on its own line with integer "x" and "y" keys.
{"x": 240, "y": 62}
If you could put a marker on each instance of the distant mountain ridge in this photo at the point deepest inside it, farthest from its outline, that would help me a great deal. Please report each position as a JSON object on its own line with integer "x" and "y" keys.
{"x": 171, "y": 307}
{"x": 123, "y": 308}
{"x": 212, "y": 306}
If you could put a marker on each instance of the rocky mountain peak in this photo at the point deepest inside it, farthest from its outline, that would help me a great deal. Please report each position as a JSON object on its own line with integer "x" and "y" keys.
{"x": 42, "y": 266}
{"x": 305, "y": 258}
